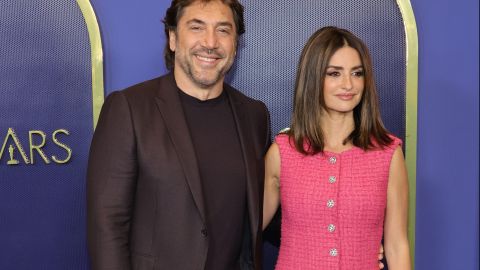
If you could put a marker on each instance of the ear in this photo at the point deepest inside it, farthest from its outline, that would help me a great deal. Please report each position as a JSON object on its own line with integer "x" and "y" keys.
{"x": 172, "y": 40}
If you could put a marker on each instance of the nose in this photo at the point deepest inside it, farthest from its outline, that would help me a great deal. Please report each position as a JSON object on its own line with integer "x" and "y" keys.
{"x": 347, "y": 82}
{"x": 210, "y": 39}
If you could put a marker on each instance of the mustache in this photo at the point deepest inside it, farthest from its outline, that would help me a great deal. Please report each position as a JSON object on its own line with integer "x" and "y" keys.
{"x": 209, "y": 52}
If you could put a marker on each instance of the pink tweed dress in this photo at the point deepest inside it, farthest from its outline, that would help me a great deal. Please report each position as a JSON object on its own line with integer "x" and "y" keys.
{"x": 333, "y": 207}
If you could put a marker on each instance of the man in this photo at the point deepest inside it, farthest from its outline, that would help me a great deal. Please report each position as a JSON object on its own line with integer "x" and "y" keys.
{"x": 175, "y": 175}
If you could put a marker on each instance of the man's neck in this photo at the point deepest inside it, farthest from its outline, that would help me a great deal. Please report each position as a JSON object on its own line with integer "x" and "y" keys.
{"x": 186, "y": 85}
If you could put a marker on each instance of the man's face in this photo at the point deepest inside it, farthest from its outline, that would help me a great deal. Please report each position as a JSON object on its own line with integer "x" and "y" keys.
{"x": 204, "y": 44}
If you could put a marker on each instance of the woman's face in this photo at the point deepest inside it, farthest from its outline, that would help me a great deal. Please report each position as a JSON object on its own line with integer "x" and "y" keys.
{"x": 344, "y": 81}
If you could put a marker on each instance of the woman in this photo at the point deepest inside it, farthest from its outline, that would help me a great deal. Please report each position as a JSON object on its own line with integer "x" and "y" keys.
{"x": 338, "y": 174}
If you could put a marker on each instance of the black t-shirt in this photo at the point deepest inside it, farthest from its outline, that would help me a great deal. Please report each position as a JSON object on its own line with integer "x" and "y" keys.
{"x": 222, "y": 172}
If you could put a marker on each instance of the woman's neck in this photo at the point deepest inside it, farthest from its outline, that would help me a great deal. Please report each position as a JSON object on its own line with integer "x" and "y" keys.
{"x": 336, "y": 128}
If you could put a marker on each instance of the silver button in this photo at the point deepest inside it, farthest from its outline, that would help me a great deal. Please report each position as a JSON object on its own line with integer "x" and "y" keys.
{"x": 330, "y": 203}
{"x": 332, "y": 179}
{"x": 333, "y": 252}
{"x": 332, "y": 160}
{"x": 331, "y": 228}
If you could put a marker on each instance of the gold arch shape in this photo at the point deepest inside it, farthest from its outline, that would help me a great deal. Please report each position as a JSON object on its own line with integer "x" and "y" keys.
{"x": 411, "y": 36}
{"x": 96, "y": 55}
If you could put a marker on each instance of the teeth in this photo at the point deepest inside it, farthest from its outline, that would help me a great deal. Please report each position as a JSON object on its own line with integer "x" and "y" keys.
{"x": 206, "y": 59}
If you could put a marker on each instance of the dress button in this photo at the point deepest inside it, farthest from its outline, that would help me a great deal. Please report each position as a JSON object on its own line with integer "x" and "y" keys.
{"x": 331, "y": 228}
{"x": 330, "y": 203}
{"x": 332, "y": 160}
{"x": 332, "y": 179}
{"x": 204, "y": 232}
{"x": 333, "y": 252}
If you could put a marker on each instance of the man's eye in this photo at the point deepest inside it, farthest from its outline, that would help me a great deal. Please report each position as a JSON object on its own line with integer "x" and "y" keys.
{"x": 224, "y": 30}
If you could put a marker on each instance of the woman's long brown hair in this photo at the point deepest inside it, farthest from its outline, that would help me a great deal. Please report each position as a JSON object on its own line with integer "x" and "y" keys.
{"x": 309, "y": 102}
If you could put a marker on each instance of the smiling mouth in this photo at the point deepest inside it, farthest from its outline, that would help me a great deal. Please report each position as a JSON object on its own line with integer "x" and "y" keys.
{"x": 207, "y": 59}
{"x": 345, "y": 96}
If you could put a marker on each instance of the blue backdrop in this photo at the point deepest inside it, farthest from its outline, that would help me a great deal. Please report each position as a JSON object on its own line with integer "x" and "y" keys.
{"x": 447, "y": 220}
{"x": 46, "y": 110}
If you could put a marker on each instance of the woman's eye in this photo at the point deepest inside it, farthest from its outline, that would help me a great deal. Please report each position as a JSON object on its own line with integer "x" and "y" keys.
{"x": 333, "y": 73}
{"x": 358, "y": 73}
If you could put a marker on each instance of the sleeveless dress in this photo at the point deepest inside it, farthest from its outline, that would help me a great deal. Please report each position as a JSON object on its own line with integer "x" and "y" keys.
{"x": 333, "y": 207}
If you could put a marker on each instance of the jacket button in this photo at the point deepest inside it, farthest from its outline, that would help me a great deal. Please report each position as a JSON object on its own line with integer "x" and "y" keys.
{"x": 204, "y": 232}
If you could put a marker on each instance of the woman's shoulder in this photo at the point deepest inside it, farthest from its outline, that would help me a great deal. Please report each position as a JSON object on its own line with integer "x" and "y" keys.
{"x": 282, "y": 137}
{"x": 392, "y": 143}
{"x": 395, "y": 141}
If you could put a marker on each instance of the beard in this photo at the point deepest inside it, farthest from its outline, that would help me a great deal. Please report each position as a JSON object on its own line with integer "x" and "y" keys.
{"x": 205, "y": 77}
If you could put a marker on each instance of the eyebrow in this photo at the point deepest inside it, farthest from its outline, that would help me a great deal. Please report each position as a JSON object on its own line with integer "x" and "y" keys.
{"x": 195, "y": 21}
{"x": 204, "y": 23}
{"x": 339, "y": 68}
{"x": 225, "y": 24}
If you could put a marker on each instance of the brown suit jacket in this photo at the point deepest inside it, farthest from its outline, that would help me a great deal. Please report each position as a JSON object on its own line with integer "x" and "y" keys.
{"x": 145, "y": 205}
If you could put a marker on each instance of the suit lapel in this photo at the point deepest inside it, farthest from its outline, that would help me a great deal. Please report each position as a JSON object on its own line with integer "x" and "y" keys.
{"x": 248, "y": 151}
{"x": 168, "y": 103}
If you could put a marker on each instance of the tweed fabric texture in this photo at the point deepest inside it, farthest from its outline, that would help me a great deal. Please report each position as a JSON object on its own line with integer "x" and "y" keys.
{"x": 333, "y": 207}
